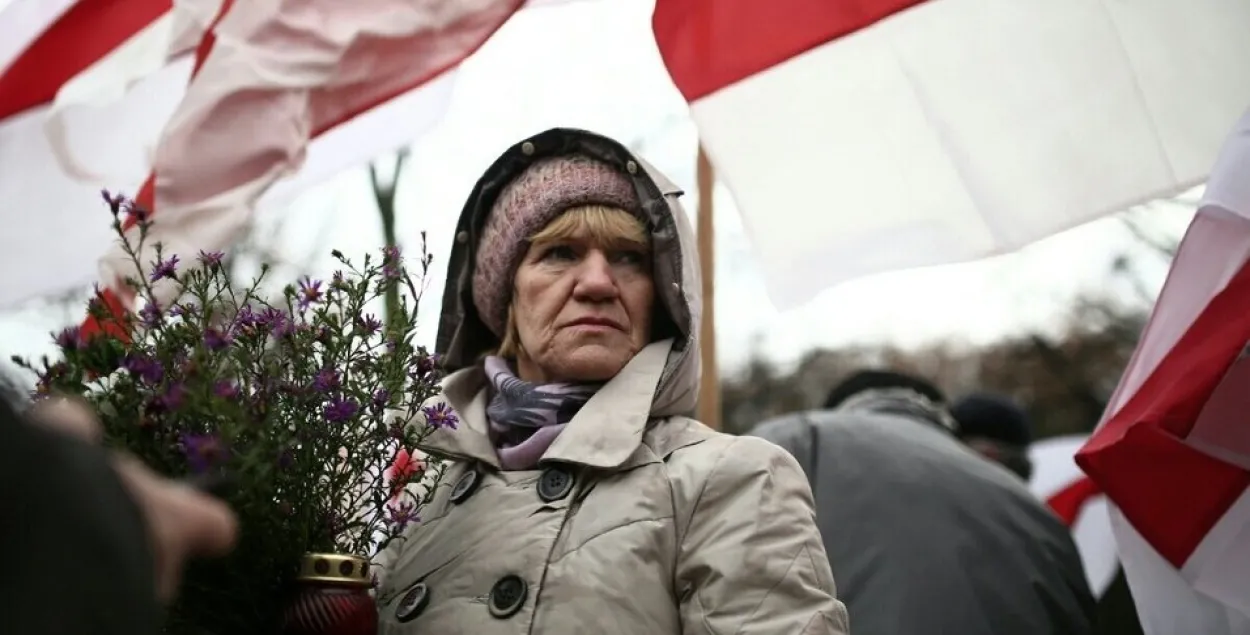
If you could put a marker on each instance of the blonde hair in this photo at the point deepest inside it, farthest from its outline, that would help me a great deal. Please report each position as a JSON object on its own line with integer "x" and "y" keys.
{"x": 604, "y": 225}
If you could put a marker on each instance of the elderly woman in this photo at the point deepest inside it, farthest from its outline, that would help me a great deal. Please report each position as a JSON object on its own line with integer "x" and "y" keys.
{"x": 581, "y": 498}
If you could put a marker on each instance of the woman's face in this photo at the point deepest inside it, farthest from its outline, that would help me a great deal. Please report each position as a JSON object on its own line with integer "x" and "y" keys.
{"x": 582, "y": 309}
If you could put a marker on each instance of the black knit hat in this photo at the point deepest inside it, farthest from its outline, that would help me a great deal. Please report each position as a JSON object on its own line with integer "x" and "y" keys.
{"x": 994, "y": 417}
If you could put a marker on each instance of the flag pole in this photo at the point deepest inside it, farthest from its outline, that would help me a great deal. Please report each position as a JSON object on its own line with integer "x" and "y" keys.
{"x": 709, "y": 411}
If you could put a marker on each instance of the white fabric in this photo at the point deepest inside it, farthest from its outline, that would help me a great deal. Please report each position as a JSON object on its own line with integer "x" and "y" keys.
{"x": 1053, "y": 470}
{"x": 1220, "y": 566}
{"x": 963, "y": 128}
{"x": 1166, "y": 603}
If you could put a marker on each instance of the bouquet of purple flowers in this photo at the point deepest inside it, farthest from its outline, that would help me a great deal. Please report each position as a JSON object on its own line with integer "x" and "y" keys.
{"x": 296, "y": 406}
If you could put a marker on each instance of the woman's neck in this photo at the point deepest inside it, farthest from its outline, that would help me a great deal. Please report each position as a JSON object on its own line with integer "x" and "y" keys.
{"x": 527, "y": 370}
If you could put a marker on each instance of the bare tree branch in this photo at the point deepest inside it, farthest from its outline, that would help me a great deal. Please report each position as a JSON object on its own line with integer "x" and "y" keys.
{"x": 1165, "y": 248}
{"x": 384, "y": 195}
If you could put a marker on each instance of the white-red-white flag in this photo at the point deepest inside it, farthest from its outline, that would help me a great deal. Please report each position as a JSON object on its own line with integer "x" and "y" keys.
{"x": 1173, "y": 450}
{"x": 860, "y": 136}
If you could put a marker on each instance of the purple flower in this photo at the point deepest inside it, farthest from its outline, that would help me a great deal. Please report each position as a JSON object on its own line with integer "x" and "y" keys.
{"x": 277, "y": 321}
{"x": 114, "y": 201}
{"x": 368, "y": 324}
{"x": 340, "y": 410}
{"x": 216, "y": 340}
{"x": 172, "y": 398}
{"x": 96, "y": 306}
{"x": 50, "y": 376}
{"x": 397, "y": 430}
{"x": 245, "y": 320}
{"x": 203, "y": 451}
{"x": 271, "y": 317}
{"x": 148, "y": 370}
{"x": 164, "y": 269}
{"x": 327, "y": 380}
{"x": 286, "y": 459}
{"x": 427, "y": 364}
{"x": 325, "y": 335}
{"x": 226, "y": 389}
{"x": 440, "y": 415}
{"x": 338, "y": 282}
{"x": 210, "y": 259}
{"x": 309, "y": 292}
{"x": 284, "y": 329}
{"x": 70, "y": 339}
{"x": 133, "y": 210}
{"x": 380, "y": 399}
{"x": 392, "y": 265}
{"x": 402, "y": 514}
{"x": 183, "y": 310}
{"x": 151, "y": 315}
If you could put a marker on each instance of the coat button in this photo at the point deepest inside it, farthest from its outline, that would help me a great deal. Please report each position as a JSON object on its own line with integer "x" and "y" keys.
{"x": 631, "y": 167}
{"x": 507, "y": 596}
{"x": 413, "y": 602}
{"x": 554, "y": 484}
{"x": 462, "y": 237}
{"x": 527, "y": 148}
{"x": 464, "y": 486}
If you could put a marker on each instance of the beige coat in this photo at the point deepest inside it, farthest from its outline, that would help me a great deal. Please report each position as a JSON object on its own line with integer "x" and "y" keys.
{"x": 642, "y": 521}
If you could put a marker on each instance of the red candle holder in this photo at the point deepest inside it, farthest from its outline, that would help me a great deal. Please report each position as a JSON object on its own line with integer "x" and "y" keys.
{"x": 332, "y": 597}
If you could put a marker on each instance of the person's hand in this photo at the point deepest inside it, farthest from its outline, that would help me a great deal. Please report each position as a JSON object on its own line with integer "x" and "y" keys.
{"x": 182, "y": 523}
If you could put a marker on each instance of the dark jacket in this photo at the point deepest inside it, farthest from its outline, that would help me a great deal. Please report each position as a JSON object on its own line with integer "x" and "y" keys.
{"x": 76, "y": 557}
{"x": 924, "y": 536}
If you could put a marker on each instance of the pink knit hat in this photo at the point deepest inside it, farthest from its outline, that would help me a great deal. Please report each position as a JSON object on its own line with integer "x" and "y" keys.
{"x": 533, "y": 199}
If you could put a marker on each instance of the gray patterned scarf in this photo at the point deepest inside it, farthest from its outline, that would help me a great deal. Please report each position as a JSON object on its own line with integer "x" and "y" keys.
{"x": 526, "y": 417}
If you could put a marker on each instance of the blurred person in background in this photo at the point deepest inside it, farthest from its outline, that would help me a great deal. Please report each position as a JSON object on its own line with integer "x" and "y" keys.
{"x": 924, "y": 536}
{"x": 94, "y": 541}
{"x": 998, "y": 429}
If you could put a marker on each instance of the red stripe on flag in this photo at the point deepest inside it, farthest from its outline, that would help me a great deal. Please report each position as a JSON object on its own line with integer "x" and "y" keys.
{"x": 88, "y": 31}
{"x": 710, "y": 44}
{"x": 1171, "y": 493}
{"x": 146, "y": 198}
{"x": 1068, "y": 502}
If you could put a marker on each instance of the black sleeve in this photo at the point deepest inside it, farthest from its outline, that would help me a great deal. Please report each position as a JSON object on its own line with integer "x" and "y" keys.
{"x": 1117, "y": 614}
{"x": 76, "y": 558}
{"x": 1073, "y": 607}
